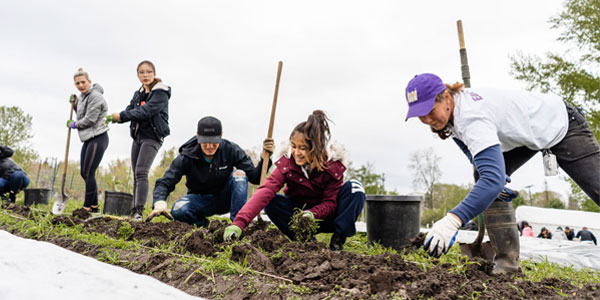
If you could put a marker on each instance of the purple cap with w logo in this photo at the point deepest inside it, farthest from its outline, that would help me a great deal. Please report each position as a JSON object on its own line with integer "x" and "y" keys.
{"x": 421, "y": 92}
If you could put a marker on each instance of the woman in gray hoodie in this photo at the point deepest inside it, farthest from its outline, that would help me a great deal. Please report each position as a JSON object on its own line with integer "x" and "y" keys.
{"x": 91, "y": 113}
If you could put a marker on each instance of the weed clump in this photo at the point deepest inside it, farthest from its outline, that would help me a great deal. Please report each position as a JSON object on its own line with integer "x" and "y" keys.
{"x": 304, "y": 228}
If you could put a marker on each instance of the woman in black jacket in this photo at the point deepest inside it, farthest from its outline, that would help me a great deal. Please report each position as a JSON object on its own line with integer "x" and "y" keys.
{"x": 148, "y": 114}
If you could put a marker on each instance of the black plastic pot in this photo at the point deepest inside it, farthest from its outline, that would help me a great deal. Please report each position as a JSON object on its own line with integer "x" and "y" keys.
{"x": 393, "y": 220}
{"x": 117, "y": 203}
{"x": 37, "y": 196}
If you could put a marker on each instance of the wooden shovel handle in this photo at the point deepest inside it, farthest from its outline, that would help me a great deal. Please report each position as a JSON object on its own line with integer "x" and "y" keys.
{"x": 265, "y": 155}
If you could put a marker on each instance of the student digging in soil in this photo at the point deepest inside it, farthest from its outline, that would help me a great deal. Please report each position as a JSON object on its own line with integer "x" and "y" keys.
{"x": 148, "y": 114}
{"x": 214, "y": 187}
{"x": 499, "y": 131}
{"x": 91, "y": 111}
{"x": 12, "y": 178}
{"x": 314, "y": 183}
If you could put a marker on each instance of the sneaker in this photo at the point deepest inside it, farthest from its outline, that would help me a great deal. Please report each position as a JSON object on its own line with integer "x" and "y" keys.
{"x": 337, "y": 242}
{"x": 137, "y": 213}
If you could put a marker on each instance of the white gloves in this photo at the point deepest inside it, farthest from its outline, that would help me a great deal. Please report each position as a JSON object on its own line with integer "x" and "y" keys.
{"x": 442, "y": 235}
{"x": 160, "y": 209}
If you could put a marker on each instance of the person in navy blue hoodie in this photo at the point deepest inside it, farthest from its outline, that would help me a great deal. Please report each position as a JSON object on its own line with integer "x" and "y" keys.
{"x": 148, "y": 114}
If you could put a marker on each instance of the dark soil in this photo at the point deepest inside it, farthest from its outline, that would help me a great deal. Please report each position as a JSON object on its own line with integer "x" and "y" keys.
{"x": 288, "y": 269}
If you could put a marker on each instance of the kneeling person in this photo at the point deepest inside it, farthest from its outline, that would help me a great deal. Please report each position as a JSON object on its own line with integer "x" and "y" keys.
{"x": 214, "y": 187}
{"x": 12, "y": 178}
{"x": 314, "y": 183}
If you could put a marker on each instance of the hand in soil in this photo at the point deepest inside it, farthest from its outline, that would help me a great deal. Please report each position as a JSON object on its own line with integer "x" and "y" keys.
{"x": 442, "y": 235}
{"x": 160, "y": 209}
{"x": 232, "y": 232}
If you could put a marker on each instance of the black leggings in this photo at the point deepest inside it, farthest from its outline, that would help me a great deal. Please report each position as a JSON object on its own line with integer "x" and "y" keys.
{"x": 91, "y": 155}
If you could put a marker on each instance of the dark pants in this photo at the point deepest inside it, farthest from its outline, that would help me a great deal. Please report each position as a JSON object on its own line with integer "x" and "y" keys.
{"x": 195, "y": 208}
{"x": 350, "y": 202}
{"x": 143, "y": 152}
{"x": 17, "y": 181}
{"x": 91, "y": 155}
{"x": 578, "y": 154}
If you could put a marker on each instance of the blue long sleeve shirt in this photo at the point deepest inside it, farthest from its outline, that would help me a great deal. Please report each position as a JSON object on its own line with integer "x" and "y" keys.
{"x": 490, "y": 166}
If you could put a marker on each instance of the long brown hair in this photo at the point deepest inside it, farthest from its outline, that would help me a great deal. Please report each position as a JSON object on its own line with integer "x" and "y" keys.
{"x": 149, "y": 63}
{"x": 317, "y": 134}
{"x": 452, "y": 89}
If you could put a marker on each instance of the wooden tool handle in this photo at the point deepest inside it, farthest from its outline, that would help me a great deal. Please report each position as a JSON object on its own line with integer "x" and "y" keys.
{"x": 265, "y": 155}
{"x": 461, "y": 35}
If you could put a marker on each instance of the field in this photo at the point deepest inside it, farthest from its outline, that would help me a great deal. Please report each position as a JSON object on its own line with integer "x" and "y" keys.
{"x": 266, "y": 265}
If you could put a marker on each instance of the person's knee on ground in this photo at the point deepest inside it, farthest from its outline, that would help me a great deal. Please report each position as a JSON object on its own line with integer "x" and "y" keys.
{"x": 181, "y": 212}
{"x": 239, "y": 192}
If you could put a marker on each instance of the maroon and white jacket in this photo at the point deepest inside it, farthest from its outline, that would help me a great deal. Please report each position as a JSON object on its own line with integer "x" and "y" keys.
{"x": 319, "y": 190}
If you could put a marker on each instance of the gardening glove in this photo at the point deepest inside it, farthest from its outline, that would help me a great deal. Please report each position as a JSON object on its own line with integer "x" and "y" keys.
{"x": 269, "y": 146}
{"x": 160, "y": 209}
{"x": 109, "y": 119}
{"x": 442, "y": 235}
{"x": 72, "y": 98}
{"x": 71, "y": 124}
{"x": 507, "y": 194}
{"x": 232, "y": 232}
{"x": 308, "y": 214}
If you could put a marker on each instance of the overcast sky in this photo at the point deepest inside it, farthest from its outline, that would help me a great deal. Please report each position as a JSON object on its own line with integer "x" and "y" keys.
{"x": 352, "y": 59}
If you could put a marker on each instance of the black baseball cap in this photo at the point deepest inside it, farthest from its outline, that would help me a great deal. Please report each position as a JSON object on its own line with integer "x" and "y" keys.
{"x": 209, "y": 130}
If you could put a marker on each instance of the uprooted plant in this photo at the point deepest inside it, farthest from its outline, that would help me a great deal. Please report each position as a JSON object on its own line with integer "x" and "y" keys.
{"x": 303, "y": 227}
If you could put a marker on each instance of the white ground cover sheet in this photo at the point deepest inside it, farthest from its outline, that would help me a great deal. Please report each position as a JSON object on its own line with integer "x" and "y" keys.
{"x": 32, "y": 269}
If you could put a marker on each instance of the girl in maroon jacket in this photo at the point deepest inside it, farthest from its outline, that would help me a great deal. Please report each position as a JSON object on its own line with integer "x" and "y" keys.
{"x": 314, "y": 183}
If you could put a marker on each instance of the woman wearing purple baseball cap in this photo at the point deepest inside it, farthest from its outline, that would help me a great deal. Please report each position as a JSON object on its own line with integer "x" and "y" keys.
{"x": 499, "y": 131}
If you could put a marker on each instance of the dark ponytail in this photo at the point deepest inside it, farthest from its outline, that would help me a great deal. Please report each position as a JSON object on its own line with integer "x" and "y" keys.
{"x": 317, "y": 134}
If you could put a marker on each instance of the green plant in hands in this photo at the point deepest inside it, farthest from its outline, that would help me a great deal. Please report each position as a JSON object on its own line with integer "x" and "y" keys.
{"x": 303, "y": 225}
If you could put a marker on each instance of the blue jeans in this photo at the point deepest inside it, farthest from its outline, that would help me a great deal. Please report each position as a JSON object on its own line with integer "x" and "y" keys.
{"x": 195, "y": 208}
{"x": 18, "y": 181}
{"x": 350, "y": 202}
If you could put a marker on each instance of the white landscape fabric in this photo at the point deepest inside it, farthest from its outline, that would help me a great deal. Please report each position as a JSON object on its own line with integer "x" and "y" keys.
{"x": 551, "y": 218}
{"x": 31, "y": 269}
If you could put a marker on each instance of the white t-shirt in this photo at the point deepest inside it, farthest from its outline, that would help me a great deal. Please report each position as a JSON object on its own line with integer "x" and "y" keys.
{"x": 487, "y": 117}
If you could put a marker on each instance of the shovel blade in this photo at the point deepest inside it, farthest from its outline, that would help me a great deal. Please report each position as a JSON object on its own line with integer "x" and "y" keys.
{"x": 483, "y": 250}
{"x": 60, "y": 204}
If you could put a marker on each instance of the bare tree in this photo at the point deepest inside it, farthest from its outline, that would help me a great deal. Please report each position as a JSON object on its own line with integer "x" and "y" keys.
{"x": 426, "y": 172}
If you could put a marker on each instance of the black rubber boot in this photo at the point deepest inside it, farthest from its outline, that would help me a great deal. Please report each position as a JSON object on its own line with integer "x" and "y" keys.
{"x": 337, "y": 242}
{"x": 137, "y": 213}
{"x": 502, "y": 229}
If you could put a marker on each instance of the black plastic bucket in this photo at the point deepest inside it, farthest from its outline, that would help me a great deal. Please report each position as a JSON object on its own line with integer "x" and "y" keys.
{"x": 37, "y": 196}
{"x": 393, "y": 220}
{"x": 117, "y": 203}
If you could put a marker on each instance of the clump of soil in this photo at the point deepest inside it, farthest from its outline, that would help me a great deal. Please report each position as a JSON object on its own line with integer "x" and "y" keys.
{"x": 20, "y": 210}
{"x": 81, "y": 214}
